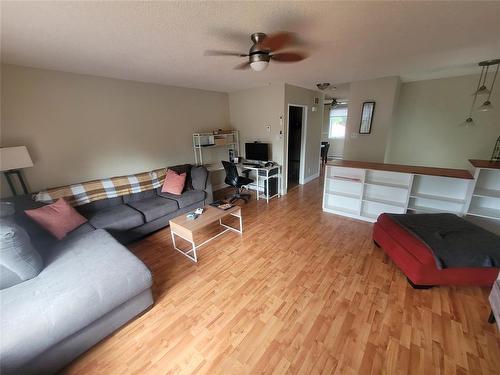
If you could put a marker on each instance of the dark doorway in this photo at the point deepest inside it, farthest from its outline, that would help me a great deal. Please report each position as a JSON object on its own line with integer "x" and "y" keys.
{"x": 295, "y": 116}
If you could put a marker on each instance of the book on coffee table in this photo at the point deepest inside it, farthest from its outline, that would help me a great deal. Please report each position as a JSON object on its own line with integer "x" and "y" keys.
{"x": 222, "y": 205}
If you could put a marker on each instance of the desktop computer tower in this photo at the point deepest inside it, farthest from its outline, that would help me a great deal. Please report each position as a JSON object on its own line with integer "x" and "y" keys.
{"x": 273, "y": 187}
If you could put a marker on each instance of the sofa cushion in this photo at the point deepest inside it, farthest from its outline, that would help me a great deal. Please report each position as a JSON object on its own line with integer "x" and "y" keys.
{"x": 118, "y": 218}
{"x": 187, "y": 198}
{"x": 19, "y": 261}
{"x": 139, "y": 196}
{"x": 153, "y": 208}
{"x": 199, "y": 176}
{"x": 89, "y": 276}
{"x": 99, "y": 205}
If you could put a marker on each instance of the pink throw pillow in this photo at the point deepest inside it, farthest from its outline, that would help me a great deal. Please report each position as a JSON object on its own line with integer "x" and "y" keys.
{"x": 174, "y": 183}
{"x": 58, "y": 218}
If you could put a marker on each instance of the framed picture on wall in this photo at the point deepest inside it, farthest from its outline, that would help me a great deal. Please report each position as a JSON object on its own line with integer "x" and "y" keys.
{"x": 365, "y": 126}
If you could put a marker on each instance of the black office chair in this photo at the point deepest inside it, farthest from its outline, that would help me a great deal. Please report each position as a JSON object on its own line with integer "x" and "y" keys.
{"x": 325, "y": 146}
{"x": 235, "y": 180}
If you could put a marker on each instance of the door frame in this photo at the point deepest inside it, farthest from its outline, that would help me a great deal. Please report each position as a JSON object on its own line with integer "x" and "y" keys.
{"x": 303, "y": 137}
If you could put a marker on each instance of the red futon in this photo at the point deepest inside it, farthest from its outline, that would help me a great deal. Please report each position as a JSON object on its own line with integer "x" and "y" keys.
{"x": 416, "y": 261}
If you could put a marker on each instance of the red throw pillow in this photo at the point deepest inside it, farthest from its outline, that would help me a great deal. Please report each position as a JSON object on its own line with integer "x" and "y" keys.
{"x": 58, "y": 218}
{"x": 174, "y": 183}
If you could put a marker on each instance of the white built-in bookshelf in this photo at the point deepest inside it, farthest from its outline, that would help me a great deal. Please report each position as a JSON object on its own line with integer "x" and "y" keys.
{"x": 485, "y": 200}
{"x": 356, "y": 190}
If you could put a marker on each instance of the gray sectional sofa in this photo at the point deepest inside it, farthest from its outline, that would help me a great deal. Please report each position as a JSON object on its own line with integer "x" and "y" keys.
{"x": 89, "y": 284}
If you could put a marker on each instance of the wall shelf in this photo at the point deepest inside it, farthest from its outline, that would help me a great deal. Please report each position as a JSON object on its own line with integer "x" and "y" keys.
{"x": 430, "y": 210}
{"x": 343, "y": 194}
{"x": 387, "y": 184}
{"x": 347, "y": 179}
{"x": 489, "y": 213}
{"x": 210, "y": 149}
{"x": 488, "y": 193}
{"x": 438, "y": 198}
{"x": 386, "y": 202}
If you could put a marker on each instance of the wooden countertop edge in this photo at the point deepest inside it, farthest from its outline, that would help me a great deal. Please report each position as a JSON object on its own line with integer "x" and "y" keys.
{"x": 485, "y": 163}
{"x": 414, "y": 169}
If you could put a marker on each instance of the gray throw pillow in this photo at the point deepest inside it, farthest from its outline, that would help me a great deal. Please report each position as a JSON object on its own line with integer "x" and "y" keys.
{"x": 19, "y": 261}
{"x": 199, "y": 177}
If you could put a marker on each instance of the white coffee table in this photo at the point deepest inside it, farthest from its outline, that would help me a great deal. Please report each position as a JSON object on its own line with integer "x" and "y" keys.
{"x": 186, "y": 229}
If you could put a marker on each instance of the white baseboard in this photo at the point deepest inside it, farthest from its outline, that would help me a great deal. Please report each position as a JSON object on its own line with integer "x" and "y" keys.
{"x": 311, "y": 177}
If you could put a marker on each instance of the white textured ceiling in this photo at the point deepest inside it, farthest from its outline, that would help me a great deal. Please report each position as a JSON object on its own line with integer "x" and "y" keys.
{"x": 163, "y": 42}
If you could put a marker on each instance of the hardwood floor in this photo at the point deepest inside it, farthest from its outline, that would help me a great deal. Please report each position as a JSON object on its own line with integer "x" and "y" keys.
{"x": 301, "y": 291}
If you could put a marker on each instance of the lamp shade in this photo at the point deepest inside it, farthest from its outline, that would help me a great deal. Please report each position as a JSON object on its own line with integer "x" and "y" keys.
{"x": 14, "y": 158}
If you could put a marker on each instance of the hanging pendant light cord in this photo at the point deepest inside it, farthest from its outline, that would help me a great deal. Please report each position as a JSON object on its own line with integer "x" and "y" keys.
{"x": 493, "y": 83}
{"x": 485, "y": 75}
{"x": 477, "y": 89}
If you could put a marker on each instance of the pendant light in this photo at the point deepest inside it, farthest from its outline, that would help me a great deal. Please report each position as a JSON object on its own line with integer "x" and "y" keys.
{"x": 482, "y": 89}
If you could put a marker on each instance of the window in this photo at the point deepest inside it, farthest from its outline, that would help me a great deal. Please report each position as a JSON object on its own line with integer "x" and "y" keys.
{"x": 338, "y": 120}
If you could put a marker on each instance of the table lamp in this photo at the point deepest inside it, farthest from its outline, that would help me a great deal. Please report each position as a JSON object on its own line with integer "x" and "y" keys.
{"x": 12, "y": 160}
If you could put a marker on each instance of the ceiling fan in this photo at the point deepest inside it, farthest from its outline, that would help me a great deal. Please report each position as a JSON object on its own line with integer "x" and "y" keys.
{"x": 263, "y": 50}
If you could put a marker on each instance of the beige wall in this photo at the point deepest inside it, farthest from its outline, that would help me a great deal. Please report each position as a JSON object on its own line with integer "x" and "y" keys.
{"x": 426, "y": 130}
{"x": 371, "y": 147}
{"x": 314, "y": 126}
{"x": 79, "y": 127}
{"x": 252, "y": 110}
{"x": 336, "y": 144}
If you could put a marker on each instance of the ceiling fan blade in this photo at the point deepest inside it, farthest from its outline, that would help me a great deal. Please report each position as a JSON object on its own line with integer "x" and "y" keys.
{"x": 243, "y": 66}
{"x": 277, "y": 41}
{"x": 289, "y": 57}
{"x": 211, "y": 52}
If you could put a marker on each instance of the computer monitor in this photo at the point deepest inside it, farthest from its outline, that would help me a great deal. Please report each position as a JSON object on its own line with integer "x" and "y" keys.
{"x": 257, "y": 151}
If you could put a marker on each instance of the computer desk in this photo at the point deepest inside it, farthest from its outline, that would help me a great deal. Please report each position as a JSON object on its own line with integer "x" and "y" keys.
{"x": 264, "y": 175}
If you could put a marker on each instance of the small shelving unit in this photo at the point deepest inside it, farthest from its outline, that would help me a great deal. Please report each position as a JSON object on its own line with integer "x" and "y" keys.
{"x": 364, "y": 194}
{"x": 364, "y": 190}
{"x": 343, "y": 191}
{"x": 439, "y": 194}
{"x": 485, "y": 200}
{"x": 210, "y": 149}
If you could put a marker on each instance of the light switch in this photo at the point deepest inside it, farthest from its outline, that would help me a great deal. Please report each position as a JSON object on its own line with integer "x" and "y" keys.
{"x": 354, "y": 135}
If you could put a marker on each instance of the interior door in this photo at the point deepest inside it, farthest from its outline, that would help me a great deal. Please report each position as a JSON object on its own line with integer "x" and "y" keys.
{"x": 295, "y": 116}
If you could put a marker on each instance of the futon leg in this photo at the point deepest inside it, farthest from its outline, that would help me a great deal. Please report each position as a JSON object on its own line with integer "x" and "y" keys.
{"x": 491, "y": 318}
{"x": 415, "y": 286}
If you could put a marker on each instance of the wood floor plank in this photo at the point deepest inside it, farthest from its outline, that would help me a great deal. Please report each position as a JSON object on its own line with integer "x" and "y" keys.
{"x": 301, "y": 292}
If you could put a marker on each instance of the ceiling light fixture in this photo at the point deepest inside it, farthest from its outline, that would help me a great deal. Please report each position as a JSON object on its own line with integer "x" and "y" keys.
{"x": 323, "y": 86}
{"x": 258, "y": 66}
{"x": 482, "y": 89}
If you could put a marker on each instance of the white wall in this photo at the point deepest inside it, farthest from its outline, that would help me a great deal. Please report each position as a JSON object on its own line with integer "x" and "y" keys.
{"x": 426, "y": 130}
{"x": 314, "y": 126}
{"x": 371, "y": 147}
{"x": 79, "y": 127}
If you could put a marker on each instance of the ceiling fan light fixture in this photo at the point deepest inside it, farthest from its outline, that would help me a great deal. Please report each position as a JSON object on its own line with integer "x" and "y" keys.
{"x": 323, "y": 86}
{"x": 258, "y": 66}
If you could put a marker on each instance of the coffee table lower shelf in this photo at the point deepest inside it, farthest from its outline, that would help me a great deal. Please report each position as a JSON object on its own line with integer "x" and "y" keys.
{"x": 185, "y": 229}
